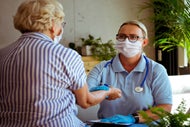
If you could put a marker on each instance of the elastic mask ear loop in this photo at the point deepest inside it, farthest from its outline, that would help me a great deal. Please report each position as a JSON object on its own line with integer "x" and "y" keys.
{"x": 58, "y": 38}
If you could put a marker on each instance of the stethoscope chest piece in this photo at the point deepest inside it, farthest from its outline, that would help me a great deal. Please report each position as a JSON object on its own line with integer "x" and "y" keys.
{"x": 138, "y": 89}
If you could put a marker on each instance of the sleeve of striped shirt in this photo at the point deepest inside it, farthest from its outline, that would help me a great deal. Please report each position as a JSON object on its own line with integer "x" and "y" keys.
{"x": 75, "y": 70}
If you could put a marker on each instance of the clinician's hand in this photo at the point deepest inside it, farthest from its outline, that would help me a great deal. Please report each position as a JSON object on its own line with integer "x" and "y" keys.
{"x": 129, "y": 119}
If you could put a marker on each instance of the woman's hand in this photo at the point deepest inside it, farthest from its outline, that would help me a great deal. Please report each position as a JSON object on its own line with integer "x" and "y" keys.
{"x": 114, "y": 93}
{"x": 86, "y": 99}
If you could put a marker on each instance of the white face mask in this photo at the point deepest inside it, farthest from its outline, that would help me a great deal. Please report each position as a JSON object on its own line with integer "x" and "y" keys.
{"x": 129, "y": 49}
{"x": 58, "y": 38}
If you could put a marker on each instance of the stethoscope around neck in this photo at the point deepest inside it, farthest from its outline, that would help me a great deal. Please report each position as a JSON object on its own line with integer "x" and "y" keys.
{"x": 138, "y": 89}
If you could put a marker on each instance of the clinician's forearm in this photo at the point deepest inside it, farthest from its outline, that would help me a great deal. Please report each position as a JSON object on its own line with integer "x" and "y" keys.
{"x": 166, "y": 107}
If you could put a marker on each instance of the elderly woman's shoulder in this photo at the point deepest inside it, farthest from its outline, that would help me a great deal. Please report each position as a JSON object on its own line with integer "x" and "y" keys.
{"x": 61, "y": 50}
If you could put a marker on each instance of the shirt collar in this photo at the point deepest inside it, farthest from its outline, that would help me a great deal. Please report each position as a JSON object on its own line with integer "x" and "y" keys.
{"x": 38, "y": 35}
{"x": 141, "y": 66}
{"x": 117, "y": 66}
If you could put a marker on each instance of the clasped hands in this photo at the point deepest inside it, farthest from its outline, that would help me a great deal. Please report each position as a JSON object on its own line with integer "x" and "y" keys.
{"x": 114, "y": 92}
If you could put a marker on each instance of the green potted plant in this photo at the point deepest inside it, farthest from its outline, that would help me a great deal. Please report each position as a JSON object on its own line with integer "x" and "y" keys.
{"x": 87, "y": 44}
{"x": 103, "y": 51}
{"x": 172, "y": 21}
{"x": 177, "y": 119}
{"x": 98, "y": 49}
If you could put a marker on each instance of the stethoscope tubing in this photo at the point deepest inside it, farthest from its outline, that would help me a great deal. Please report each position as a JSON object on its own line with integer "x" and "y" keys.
{"x": 147, "y": 69}
{"x": 110, "y": 62}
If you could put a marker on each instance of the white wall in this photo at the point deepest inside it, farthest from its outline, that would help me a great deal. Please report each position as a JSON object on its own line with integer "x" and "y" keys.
{"x": 7, "y": 32}
{"x": 182, "y": 57}
{"x": 100, "y": 18}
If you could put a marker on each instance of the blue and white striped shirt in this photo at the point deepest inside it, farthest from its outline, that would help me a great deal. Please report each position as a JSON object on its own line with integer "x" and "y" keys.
{"x": 37, "y": 77}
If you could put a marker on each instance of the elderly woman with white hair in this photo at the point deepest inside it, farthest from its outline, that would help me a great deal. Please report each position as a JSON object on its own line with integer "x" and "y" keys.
{"x": 41, "y": 80}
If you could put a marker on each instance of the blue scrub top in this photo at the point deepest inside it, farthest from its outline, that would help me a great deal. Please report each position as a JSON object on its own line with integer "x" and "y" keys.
{"x": 156, "y": 88}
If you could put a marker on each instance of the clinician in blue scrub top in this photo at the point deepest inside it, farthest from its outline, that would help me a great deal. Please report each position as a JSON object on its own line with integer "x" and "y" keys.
{"x": 143, "y": 81}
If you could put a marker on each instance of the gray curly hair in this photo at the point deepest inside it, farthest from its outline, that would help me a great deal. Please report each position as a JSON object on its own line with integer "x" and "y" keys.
{"x": 38, "y": 15}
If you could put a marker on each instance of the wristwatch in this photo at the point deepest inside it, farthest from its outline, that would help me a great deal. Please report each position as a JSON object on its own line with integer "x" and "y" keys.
{"x": 136, "y": 116}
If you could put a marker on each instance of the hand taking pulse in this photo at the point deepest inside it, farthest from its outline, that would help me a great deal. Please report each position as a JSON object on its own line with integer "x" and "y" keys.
{"x": 114, "y": 92}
